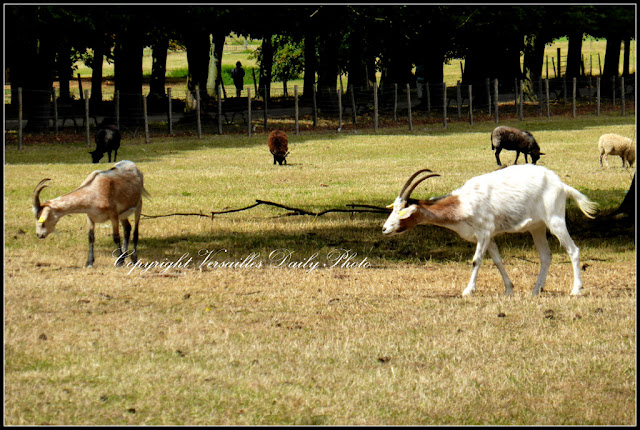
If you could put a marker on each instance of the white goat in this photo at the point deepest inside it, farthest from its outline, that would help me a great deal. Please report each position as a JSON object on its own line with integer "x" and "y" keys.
{"x": 509, "y": 200}
{"x": 106, "y": 195}
{"x": 614, "y": 144}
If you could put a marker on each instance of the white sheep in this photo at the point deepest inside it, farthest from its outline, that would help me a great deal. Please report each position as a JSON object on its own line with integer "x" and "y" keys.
{"x": 514, "y": 199}
{"x": 614, "y": 144}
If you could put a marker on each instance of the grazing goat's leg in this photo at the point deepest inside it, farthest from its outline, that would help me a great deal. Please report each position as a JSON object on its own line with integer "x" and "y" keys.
{"x": 498, "y": 149}
{"x": 540, "y": 239}
{"x": 92, "y": 238}
{"x": 126, "y": 228}
{"x": 495, "y": 256}
{"x": 559, "y": 228}
{"x": 134, "y": 253}
{"x": 481, "y": 249}
{"x": 116, "y": 239}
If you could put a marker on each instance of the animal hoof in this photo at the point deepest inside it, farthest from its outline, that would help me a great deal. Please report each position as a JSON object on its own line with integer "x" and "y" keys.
{"x": 576, "y": 292}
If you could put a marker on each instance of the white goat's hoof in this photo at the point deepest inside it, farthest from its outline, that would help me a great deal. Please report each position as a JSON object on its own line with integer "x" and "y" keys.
{"x": 576, "y": 292}
{"x": 467, "y": 293}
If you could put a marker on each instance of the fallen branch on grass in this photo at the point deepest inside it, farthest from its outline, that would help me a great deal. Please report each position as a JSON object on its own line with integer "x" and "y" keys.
{"x": 294, "y": 211}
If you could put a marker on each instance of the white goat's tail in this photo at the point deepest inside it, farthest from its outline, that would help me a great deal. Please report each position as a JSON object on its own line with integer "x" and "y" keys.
{"x": 587, "y": 207}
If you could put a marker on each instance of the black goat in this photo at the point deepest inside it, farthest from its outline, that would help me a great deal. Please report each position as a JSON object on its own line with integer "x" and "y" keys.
{"x": 107, "y": 140}
{"x": 512, "y": 139}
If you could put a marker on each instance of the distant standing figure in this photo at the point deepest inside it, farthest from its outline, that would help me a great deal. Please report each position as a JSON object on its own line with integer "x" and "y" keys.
{"x": 238, "y": 78}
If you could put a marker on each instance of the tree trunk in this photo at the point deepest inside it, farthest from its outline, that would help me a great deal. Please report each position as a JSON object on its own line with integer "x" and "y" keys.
{"x": 129, "y": 50}
{"x": 310, "y": 65}
{"x": 628, "y": 205}
{"x": 218, "y": 41}
{"x": 266, "y": 66}
{"x": 328, "y": 71}
{"x": 357, "y": 61}
{"x": 96, "y": 76}
{"x": 627, "y": 50}
{"x": 63, "y": 65}
{"x": 574, "y": 55}
{"x": 533, "y": 60}
{"x": 198, "y": 48}
{"x": 37, "y": 88}
{"x": 158, "y": 70}
{"x": 611, "y": 64}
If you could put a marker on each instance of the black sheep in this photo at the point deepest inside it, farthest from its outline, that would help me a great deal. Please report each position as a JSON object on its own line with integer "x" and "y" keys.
{"x": 512, "y": 139}
{"x": 278, "y": 146}
{"x": 107, "y": 140}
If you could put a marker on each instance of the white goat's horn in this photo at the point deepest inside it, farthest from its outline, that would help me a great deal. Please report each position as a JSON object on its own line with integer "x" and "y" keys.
{"x": 411, "y": 178}
{"x": 415, "y": 184}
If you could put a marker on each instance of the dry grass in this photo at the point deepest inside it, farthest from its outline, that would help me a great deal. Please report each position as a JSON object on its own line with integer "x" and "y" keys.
{"x": 388, "y": 343}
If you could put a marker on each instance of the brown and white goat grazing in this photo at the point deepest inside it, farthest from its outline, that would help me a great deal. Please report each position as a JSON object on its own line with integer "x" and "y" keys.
{"x": 513, "y": 139}
{"x": 509, "y": 200}
{"x": 106, "y": 195}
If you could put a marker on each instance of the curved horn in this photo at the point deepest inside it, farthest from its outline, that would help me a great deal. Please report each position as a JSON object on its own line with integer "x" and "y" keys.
{"x": 413, "y": 187}
{"x": 411, "y": 178}
{"x": 36, "y": 195}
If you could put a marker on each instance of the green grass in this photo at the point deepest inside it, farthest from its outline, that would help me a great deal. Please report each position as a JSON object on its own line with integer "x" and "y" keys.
{"x": 392, "y": 343}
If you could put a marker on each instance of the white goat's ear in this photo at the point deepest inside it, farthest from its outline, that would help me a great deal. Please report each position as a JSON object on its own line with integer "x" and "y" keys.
{"x": 406, "y": 212}
{"x": 42, "y": 219}
{"x": 390, "y": 206}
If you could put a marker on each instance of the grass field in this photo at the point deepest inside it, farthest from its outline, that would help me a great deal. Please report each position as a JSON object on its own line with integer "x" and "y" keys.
{"x": 257, "y": 318}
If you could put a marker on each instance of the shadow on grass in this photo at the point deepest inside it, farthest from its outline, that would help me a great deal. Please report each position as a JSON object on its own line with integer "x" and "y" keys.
{"x": 424, "y": 243}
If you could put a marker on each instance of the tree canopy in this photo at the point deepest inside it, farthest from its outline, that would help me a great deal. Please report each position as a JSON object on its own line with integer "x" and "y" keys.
{"x": 42, "y": 40}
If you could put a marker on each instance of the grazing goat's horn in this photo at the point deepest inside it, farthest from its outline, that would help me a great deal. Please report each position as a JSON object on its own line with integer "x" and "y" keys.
{"x": 413, "y": 187}
{"x": 36, "y": 196}
{"x": 411, "y": 178}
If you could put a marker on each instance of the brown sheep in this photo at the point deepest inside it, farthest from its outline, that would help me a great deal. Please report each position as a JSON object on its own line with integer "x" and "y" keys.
{"x": 278, "y": 146}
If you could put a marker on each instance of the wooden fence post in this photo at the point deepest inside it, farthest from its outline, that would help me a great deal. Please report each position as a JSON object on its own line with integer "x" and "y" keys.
{"x": 564, "y": 91}
{"x": 339, "y": 109}
{"x": 220, "y": 109}
{"x": 375, "y": 107}
{"x": 353, "y": 104}
{"x": 495, "y": 95}
{"x": 80, "y": 86}
{"x": 86, "y": 116}
{"x": 622, "y": 93}
{"x": 546, "y": 91}
{"x": 459, "y": 99}
{"x": 146, "y": 119}
{"x": 395, "y": 102}
{"x": 515, "y": 95}
{"x": 116, "y": 103}
{"x": 315, "y": 106}
{"x": 470, "y": 106}
{"x": 573, "y": 98}
{"x": 249, "y": 111}
{"x": 444, "y": 104}
{"x": 489, "y": 94}
{"x": 55, "y": 109}
{"x": 409, "y": 107}
{"x": 266, "y": 114}
{"x": 521, "y": 100}
{"x": 19, "y": 118}
{"x": 198, "y": 122}
{"x": 428, "y": 98}
{"x": 295, "y": 94}
{"x": 169, "y": 112}
{"x": 598, "y": 95}
{"x": 540, "y": 94}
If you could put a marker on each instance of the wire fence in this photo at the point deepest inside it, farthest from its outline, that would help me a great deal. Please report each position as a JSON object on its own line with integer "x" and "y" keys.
{"x": 254, "y": 109}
